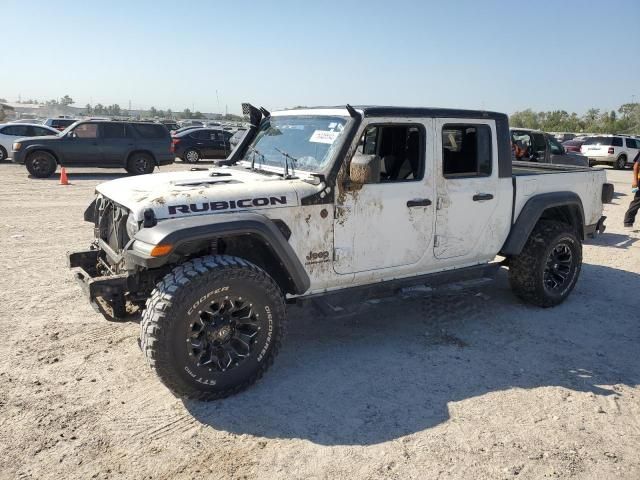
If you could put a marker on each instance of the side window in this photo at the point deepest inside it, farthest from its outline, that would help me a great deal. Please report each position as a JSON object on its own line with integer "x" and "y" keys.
{"x": 466, "y": 151}
{"x": 616, "y": 142}
{"x": 42, "y": 132}
{"x": 398, "y": 148}
{"x": 151, "y": 131}
{"x": 370, "y": 138}
{"x": 86, "y": 130}
{"x": 113, "y": 130}
{"x": 556, "y": 149}
{"x": 631, "y": 143}
{"x": 16, "y": 130}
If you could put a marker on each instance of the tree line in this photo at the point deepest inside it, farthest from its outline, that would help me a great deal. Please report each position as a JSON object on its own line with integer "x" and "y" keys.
{"x": 625, "y": 120}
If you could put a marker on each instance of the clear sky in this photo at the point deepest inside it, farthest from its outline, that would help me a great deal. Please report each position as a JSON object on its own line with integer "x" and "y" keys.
{"x": 491, "y": 54}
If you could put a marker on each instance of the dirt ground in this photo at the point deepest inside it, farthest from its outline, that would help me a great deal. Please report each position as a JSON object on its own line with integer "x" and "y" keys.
{"x": 467, "y": 384}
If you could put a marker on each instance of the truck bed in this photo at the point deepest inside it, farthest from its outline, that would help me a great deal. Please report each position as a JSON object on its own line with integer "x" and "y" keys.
{"x": 531, "y": 179}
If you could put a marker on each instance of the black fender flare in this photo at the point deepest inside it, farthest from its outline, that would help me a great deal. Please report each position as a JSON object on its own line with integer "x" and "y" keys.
{"x": 531, "y": 213}
{"x": 180, "y": 232}
{"x": 39, "y": 147}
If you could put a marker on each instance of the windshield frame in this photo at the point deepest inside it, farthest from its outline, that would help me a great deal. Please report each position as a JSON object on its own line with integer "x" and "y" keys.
{"x": 294, "y": 170}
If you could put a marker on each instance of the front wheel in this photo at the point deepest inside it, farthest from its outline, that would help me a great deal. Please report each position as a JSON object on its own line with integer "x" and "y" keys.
{"x": 140, "y": 164}
{"x": 213, "y": 326}
{"x": 41, "y": 164}
{"x": 547, "y": 269}
{"x": 3, "y": 154}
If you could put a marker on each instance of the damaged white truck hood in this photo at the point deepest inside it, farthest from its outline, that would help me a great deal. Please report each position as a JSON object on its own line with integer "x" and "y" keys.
{"x": 217, "y": 190}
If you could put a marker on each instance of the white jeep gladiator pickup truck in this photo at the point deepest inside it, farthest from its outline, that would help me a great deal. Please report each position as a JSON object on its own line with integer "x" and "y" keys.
{"x": 319, "y": 202}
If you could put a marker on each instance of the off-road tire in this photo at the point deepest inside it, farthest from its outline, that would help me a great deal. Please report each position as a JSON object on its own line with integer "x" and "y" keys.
{"x": 191, "y": 155}
{"x": 621, "y": 163}
{"x": 140, "y": 164}
{"x": 41, "y": 164}
{"x": 527, "y": 270}
{"x": 3, "y": 154}
{"x": 174, "y": 307}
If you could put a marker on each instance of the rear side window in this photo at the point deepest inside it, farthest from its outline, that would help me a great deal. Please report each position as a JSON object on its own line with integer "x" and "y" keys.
{"x": 631, "y": 143}
{"x": 114, "y": 130}
{"x": 466, "y": 151}
{"x": 16, "y": 130}
{"x": 607, "y": 141}
{"x": 150, "y": 130}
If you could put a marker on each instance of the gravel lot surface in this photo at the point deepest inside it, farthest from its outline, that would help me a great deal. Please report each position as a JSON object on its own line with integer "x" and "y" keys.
{"x": 467, "y": 384}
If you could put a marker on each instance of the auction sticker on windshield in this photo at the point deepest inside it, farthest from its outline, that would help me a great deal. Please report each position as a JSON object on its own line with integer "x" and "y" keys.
{"x": 324, "y": 136}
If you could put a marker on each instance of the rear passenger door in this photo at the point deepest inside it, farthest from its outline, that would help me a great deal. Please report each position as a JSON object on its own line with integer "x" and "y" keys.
{"x": 115, "y": 143}
{"x": 473, "y": 206}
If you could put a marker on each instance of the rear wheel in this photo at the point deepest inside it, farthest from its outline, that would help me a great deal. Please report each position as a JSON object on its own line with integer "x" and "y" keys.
{"x": 621, "y": 162}
{"x": 3, "y": 153}
{"x": 548, "y": 267}
{"x": 191, "y": 155}
{"x": 41, "y": 164}
{"x": 140, "y": 164}
{"x": 213, "y": 326}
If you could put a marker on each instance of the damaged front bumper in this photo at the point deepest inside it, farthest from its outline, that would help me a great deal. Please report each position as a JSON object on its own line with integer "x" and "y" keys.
{"x": 111, "y": 289}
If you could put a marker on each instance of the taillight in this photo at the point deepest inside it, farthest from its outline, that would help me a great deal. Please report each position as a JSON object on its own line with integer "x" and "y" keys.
{"x": 611, "y": 151}
{"x": 174, "y": 142}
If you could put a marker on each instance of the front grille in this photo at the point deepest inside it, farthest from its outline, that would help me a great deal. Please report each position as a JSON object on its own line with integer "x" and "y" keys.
{"x": 111, "y": 223}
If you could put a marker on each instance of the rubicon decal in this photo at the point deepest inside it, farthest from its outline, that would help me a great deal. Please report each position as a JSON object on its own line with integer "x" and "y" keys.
{"x": 227, "y": 205}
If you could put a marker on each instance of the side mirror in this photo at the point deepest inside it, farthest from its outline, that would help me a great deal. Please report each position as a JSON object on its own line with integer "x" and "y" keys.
{"x": 364, "y": 169}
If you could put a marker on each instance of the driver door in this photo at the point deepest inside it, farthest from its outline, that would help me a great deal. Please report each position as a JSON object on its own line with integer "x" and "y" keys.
{"x": 387, "y": 223}
{"x": 81, "y": 146}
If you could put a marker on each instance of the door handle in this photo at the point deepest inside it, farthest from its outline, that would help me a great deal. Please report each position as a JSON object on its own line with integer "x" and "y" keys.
{"x": 479, "y": 197}
{"x": 419, "y": 202}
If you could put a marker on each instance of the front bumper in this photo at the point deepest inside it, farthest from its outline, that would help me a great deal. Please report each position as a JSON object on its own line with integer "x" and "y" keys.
{"x": 17, "y": 156}
{"x": 111, "y": 289}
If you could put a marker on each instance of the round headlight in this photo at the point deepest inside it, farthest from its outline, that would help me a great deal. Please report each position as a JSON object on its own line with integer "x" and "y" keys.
{"x": 132, "y": 226}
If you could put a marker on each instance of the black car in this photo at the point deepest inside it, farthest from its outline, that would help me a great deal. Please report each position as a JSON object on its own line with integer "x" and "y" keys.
{"x": 192, "y": 145}
{"x": 136, "y": 146}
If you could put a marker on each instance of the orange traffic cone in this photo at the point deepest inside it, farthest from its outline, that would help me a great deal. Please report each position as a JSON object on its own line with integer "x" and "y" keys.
{"x": 63, "y": 177}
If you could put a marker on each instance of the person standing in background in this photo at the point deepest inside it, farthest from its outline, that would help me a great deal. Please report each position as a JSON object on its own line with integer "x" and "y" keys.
{"x": 634, "y": 206}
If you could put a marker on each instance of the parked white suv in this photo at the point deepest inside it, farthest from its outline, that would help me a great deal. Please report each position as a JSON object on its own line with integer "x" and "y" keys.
{"x": 614, "y": 149}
